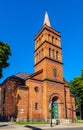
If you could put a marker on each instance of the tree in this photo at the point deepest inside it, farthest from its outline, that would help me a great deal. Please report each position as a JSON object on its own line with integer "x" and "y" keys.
{"x": 77, "y": 90}
{"x": 4, "y": 56}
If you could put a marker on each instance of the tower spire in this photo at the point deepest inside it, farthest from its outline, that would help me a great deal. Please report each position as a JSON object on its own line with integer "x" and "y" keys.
{"x": 46, "y": 20}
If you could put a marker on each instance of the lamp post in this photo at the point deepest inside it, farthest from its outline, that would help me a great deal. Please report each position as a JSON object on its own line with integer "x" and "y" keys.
{"x": 51, "y": 118}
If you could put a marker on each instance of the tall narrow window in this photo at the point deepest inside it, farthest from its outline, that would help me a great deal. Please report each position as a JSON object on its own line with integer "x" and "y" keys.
{"x": 56, "y": 40}
{"x": 49, "y": 52}
{"x": 39, "y": 40}
{"x": 52, "y": 39}
{"x": 56, "y": 55}
{"x": 53, "y": 54}
{"x": 36, "y": 106}
{"x": 42, "y": 53}
{"x": 37, "y": 57}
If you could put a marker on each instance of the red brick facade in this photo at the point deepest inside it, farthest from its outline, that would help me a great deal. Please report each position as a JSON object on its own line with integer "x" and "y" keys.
{"x": 27, "y": 97}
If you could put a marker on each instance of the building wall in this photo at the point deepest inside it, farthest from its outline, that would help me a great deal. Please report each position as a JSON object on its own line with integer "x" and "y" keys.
{"x": 9, "y": 98}
{"x": 68, "y": 102}
{"x": 35, "y": 98}
{"x": 22, "y": 104}
{"x": 8, "y": 101}
{"x": 53, "y": 90}
{"x": 73, "y": 108}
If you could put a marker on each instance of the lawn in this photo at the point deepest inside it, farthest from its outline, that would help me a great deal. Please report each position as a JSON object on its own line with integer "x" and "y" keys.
{"x": 78, "y": 122}
{"x": 25, "y": 123}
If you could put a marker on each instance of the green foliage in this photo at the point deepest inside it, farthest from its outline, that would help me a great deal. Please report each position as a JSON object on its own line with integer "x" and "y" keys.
{"x": 78, "y": 117}
{"x": 4, "y": 56}
{"x": 51, "y": 111}
{"x": 25, "y": 123}
{"x": 77, "y": 88}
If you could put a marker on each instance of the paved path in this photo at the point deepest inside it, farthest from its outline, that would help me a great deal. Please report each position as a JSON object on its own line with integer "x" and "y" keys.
{"x": 12, "y": 126}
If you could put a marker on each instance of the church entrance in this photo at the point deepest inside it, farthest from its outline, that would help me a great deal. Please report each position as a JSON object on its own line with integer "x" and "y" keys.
{"x": 54, "y": 108}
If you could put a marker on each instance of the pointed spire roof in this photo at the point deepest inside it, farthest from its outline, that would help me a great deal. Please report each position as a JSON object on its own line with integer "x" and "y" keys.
{"x": 46, "y": 20}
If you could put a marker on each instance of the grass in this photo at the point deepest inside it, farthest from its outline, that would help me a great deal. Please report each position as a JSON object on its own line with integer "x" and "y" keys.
{"x": 78, "y": 122}
{"x": 25, "y": 123}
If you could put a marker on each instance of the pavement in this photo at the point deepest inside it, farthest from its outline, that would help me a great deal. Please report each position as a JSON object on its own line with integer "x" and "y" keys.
{"x": 13, "y": 126}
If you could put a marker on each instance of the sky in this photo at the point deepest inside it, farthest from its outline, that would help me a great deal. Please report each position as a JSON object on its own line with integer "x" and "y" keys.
{"x": 21, "y": 20}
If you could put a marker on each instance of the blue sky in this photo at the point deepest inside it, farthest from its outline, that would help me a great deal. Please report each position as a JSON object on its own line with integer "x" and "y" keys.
{"x": 20, "y": 21}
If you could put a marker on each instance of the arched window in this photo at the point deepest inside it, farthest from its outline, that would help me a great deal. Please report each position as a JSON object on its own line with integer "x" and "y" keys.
{"x": 37, "y": 57}
{"x": 56, "y": 55}
{"x": 55, "y": 107}
{"x": 55, "y": 72}
{"x": 49, "y": 52}
{"x": 36, "y": 106}
{"x": 39, "y": 40}
{"x": 56, "y": 38}
{"x": 36, "y": 89}
{"x": 53, "y": 54}
{"x": 52, "y": 39}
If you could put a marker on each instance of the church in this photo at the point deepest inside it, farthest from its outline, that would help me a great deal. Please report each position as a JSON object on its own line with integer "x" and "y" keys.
{"x": 45, "y": 93}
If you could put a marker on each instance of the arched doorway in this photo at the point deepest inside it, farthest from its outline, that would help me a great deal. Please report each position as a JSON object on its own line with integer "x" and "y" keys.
{"x": 55, "y": 107}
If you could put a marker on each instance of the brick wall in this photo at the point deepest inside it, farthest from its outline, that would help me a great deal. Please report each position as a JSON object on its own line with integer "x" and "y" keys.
{"x": 35, "y": 97}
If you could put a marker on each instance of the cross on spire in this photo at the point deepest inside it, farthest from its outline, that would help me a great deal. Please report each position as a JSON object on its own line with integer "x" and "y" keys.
{"x": 46, "y": 20}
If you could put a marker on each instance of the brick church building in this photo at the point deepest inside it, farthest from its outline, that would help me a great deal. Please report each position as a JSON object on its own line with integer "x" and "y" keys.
{"x": 31, "y": 96}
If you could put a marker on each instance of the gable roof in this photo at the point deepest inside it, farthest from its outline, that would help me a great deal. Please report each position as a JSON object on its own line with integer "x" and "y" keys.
{"x": 19, "y": 76}
{"x": 22, "y": 75}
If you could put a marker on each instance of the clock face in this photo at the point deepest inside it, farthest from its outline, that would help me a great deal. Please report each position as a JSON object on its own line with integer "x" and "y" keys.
{"x": 55, "y": 72}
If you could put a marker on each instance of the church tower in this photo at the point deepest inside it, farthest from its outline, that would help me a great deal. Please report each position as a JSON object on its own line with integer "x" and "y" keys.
{"x": 48, "y": 52}
{"x": 48, "y": 58}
